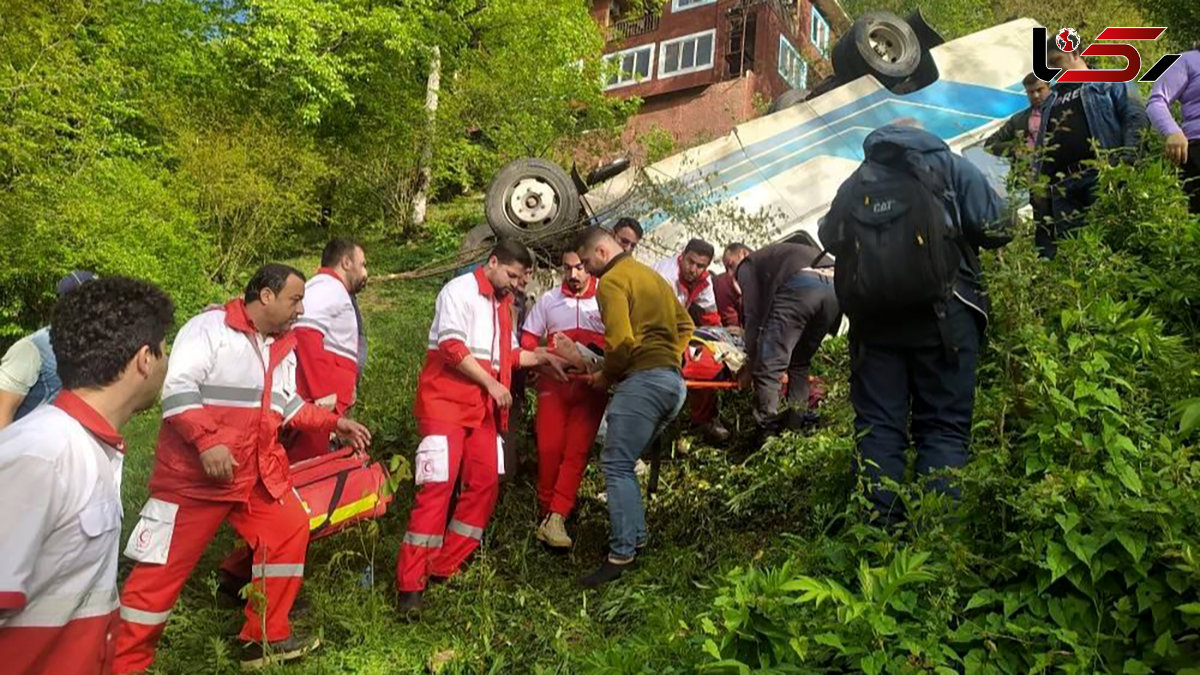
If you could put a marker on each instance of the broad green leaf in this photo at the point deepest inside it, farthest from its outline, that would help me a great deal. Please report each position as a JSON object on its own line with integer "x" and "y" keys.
{"x": 1059, "y": 559}
{"x": 1128, "y": 476}
{"x": 873, "y": 664}
{"x": 1084, "y": 546}
{"x": 1165, "y": 646}
{"x": 1135, "y": 667}
{"x": 1190, "y": 418}
{"x": 982, "y": 598}
{"x": 1067, "y": 521}
{"x": 830, "y": 640}
{"x": 1133, "y": 542}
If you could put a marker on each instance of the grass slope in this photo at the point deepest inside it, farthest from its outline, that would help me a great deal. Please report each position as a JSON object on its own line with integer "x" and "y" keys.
{"x": 516, "y": 608}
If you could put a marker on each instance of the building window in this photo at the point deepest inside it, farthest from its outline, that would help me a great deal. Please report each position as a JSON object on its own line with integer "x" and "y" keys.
{"x": 633, "y": 65}
{"x": 818, "y": 34}
{"x": 688, "y": 54}
{"x": 792, "y": 68}
{"x": 680, "y": 5}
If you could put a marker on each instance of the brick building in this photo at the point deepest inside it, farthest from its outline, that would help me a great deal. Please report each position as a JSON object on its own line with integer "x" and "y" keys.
{"x": 703, "y": 66}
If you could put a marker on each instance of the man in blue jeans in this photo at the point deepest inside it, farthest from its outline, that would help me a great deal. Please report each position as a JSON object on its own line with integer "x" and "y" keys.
{"x": 1073, "y": 116}
{"x": 921, "y": 362}
{"x": 645, "y": 333}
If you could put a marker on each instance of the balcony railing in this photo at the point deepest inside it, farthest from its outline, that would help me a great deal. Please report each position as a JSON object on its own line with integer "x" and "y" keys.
{"x": 627, "y": 28}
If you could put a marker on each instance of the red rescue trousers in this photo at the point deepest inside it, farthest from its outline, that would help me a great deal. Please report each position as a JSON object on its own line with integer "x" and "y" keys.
{"x": 703, "y": 406}
{"x": 277, "y": 531}
{"x": 432, "y": 546}
{"x": 568, "y": 416}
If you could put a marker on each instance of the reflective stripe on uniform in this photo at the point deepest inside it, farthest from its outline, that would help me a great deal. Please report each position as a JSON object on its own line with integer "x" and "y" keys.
{"x": 459, "y": 527}
{"x": 144, "y": 617}
{"x": 293, "y": 406}
{"x": 274, "y": 570}
{"x": 242, "y": 397}
{"x": 60, "y": 609}
{"x": 181, "y": 402}
{"x": 212, "y": 394}
{"x": 423, "y": 540}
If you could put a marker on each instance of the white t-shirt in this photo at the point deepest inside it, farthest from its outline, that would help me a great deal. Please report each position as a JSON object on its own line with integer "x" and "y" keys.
{"x": 20, "y": 367}
{"x": 60, "y": 496}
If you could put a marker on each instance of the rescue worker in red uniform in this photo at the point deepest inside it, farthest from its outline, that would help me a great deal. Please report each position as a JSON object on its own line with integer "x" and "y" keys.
{"x": 230, "y": 386}
{"x": 60, "y": 480}
{"x": 331, "y": 344}
{"x": 462, "y": 407}
{"x": 688, "y": 276}
{"x": 331, "y": 350}
{"x": 566, "y": 319}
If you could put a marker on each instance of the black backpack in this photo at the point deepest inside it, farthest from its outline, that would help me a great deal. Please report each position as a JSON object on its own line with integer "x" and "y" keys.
{"x": 896, "y": 248}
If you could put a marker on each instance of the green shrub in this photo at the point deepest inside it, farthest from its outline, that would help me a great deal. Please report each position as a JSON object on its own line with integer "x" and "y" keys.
{"x": 113, "y": 217}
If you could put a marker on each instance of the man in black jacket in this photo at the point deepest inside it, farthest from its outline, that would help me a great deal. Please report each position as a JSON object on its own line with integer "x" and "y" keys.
{"x": 1021, "y": 129}
{"x": 1018, "y": 137}
{"x": 924, "y": 361}
{"x": 789, "y": 306}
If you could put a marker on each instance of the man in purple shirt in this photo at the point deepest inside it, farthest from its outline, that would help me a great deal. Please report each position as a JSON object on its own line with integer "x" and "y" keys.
{"x": 1181, "y": 83}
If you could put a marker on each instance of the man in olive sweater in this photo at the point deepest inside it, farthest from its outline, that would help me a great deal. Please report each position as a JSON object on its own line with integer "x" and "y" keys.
{"x": 645, "y": 333}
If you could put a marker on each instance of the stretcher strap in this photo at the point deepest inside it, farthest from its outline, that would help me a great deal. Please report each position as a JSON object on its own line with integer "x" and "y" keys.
{"x": 338, "y": 488}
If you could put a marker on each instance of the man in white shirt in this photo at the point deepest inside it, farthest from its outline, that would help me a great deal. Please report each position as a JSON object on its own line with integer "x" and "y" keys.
{"x": 28, "y": 373}
{"x": 688, "y": 275}
{"x": 60, "y": 476}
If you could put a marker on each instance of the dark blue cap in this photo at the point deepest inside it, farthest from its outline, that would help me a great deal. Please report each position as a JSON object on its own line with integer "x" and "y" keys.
{"x": 72, "y": 281}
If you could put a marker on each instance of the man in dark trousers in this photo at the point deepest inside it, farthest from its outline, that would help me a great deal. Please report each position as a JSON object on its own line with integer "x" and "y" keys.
{"x": 1073, "y": 116}
{"x": 789, "y": 307}
{"x": 912, "y": 356}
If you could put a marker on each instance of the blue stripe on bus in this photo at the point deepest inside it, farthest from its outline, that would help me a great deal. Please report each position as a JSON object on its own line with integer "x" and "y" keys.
{"x": 945, "y": 108}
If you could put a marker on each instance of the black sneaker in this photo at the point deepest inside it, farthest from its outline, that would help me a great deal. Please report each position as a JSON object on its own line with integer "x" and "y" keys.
{"x": 289, "y": 649}
{"x": 608, "y": 571}
{"x": 409, "y": 605}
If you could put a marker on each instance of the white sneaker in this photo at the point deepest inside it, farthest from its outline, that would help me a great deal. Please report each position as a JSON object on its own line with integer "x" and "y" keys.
{"x": 553, "y": 532}
{"x": 640, "y": 468}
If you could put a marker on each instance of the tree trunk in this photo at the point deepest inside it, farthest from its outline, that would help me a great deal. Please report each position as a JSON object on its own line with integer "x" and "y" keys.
{"x": 425, "y": 168}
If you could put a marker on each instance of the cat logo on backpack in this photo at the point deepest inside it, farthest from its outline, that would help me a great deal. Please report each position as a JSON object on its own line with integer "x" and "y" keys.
{"x": 896, "y": 245}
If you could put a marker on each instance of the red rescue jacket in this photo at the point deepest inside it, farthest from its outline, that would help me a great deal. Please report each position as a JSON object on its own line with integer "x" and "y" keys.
{"x": 226, "y": 385}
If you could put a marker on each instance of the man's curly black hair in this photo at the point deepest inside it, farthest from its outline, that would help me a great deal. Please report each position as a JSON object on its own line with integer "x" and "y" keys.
{"x": 98, "y": 328}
